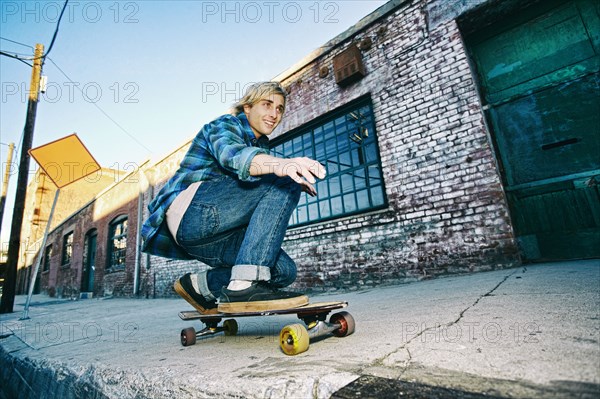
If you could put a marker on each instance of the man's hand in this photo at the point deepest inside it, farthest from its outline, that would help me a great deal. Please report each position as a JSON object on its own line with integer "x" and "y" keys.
{"x": 302, "y": 170}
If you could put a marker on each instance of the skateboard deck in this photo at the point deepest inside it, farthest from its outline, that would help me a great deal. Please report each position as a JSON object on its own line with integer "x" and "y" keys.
{"x": 316, "y": 307}
{"x": 293, "y": 338}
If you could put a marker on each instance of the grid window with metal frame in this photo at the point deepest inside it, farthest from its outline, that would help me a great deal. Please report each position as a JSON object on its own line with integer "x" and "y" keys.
{"x": 344, "y": 142}
{"x": 67, "y": 249}
{"x": 117, "y": 244}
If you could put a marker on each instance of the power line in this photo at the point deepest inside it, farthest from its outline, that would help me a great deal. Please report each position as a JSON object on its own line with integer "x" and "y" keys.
{"x": 19, "y": 43}
{"x": 43, "y": 56}
{"x": 16, "y": 58}
{"x": 100, "y": 109}
{"x": 22, "y": 56}
{"x": 55, "y": 32}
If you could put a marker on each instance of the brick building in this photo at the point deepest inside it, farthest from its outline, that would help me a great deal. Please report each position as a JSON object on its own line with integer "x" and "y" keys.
{"x": 458, "y": 136}
{"x": 60, "y": 253}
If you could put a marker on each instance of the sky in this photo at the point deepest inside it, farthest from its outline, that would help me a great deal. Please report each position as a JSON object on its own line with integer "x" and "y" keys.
{"x": 137, "y": 79}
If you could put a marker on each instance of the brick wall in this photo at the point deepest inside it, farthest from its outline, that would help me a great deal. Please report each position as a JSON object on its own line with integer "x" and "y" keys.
{"x": 119, "y": 199}
{"x": 447, "y": 212}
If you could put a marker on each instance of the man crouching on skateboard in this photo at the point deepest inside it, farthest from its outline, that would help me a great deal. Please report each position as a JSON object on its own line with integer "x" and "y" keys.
{"x": 229, "y": 205}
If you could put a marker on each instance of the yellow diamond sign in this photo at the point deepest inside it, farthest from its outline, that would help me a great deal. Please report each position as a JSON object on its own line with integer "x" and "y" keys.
{"x": 65, "y": 160}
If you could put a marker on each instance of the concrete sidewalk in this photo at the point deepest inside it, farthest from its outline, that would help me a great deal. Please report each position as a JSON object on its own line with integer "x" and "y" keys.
{"x": 527, "y": 332}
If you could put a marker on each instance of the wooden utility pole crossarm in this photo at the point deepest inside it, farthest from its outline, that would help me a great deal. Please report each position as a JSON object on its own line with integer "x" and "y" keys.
{"x": 10, "y": 282}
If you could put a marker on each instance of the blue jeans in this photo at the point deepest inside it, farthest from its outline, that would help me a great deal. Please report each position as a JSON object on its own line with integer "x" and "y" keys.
{"x": 237, "y": 228}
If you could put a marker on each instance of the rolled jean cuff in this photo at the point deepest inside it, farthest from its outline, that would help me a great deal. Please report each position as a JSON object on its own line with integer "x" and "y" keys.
{"x": 203, "y": 286}
{"x": 251, "y": 273}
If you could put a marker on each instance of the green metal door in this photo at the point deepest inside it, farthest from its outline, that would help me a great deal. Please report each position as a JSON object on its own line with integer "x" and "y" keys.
{"x": 539, "y": 76}
{"x": 89, "y": 267}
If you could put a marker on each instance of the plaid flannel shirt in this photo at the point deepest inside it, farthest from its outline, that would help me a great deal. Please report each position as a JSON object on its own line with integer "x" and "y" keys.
{"x": 225, "y": 146}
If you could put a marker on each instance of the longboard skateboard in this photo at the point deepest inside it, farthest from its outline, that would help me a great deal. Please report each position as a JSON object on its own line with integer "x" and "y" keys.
{"x": 293, "y": 338}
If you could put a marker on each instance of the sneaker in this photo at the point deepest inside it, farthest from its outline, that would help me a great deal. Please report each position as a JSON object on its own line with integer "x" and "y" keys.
{"x": 259, "y": 297}
{"x": 186, "y": 290}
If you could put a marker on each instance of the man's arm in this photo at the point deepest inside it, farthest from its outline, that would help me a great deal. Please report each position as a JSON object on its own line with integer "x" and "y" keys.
{"x": 302, "y": 170}
{"x": 223, "y": 140}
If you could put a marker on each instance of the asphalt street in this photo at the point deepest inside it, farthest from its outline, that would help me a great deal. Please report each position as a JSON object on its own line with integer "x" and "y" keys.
{"x": 526, "y": 332}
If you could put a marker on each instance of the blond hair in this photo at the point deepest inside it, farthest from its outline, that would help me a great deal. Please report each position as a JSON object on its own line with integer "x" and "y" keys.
{"x": 255, "y": 93}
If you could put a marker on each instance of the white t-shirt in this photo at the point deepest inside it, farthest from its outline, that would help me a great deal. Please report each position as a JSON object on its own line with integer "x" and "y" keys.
{"x": 179, "y": 206}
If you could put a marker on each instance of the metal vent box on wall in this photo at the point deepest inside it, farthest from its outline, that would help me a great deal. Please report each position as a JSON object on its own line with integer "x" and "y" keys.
{"x": 348, "y": 66}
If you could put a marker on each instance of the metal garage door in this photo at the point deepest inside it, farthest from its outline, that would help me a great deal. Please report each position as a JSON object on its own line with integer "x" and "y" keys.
{"x": 539, "y": 78}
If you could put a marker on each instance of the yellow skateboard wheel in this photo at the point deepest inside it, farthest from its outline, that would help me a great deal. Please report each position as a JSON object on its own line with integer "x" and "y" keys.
{"x": 294, "y": 339}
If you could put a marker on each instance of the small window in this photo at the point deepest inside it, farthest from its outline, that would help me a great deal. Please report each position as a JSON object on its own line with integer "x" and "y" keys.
{"x": 344, "y": 142}
{"x": 117, "y": 244}
{"x": 67, "y": 250}
{"x": 47, "y": 257}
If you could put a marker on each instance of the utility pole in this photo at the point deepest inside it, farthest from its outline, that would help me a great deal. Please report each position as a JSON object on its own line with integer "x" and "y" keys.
{"x": 11, "y": 149}
{"x": 10, "y": 281}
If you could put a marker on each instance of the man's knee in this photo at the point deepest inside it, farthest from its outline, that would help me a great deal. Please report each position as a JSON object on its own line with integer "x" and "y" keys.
{"x": 289, "y": 186}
